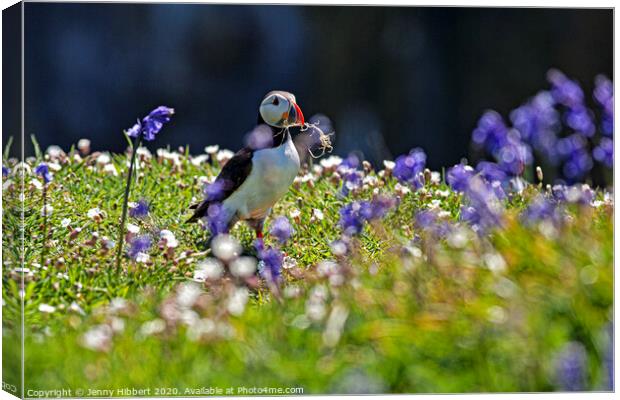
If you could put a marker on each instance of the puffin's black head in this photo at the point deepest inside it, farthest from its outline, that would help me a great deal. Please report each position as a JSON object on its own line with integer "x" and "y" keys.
{"x": 279, "y": 109}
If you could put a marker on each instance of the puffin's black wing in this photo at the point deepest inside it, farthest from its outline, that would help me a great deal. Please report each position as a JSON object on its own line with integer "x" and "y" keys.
{"x": 234, "y": 173}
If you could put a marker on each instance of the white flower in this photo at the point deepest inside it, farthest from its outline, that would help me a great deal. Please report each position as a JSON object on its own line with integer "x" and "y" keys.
{"x": 98, "y": 338}
{"x": 495, "y": 262}
{"x": 317, "y": 214}
{"x": 131, "y": 228}
{"x": 65, "y": 222}
{"x": 338, "y": 247}
{"x": 172, "y": 156}
{"x": 238, "y": 300}
{"x": 94, "y": 212}
{"x": 335, "y": 325}
{"x": 212, "y": 149}
{"x": 224, "y": 155}
{"x": 389, "y": 165}
{"x": 401, "y": 190}
{"x": 47, "y": 210}
{"x": 54, "y": 166}
{"x": 153, "y": 327}
{"x": 110, "y": 169}
{"x": 211, "y": 268}
{"x": 225, "y": 247}
{"x": 243, "y": 267}
{"x": 83, "y": 145}
{"x": 54, "y": 151}
{"x": 328, "y": 267}
{"x": 46, "y": 308}
{"x": 295, "y": 213}
{"x": 331, "y": 162}
{"x": 103, "y": 158}
{"x": 435, "y": 177}
{"x": 107, "y": 243}
{"x": 289, "y": 262}
{"x": 75, "y": 307}
{"x": 370, "y": 180}
{"x": 168, "y": 236}
{"x": 187, "y": 294}
{"x": 37, "y": 184}
{"x": 143, "y": 152}
{"x": 200, "y": 328}
{"x": 443, "y": 214}
{"x": 142, "y": 258}
{"x": 199, "y": 159}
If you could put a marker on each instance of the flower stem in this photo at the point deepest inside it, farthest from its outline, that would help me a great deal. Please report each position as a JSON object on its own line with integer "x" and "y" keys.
{"x": 121, "y": 228}
{"x": 44, "y": 249}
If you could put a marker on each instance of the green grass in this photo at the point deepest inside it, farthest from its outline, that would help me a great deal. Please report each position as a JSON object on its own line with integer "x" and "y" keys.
{"x": 410, "y": 316}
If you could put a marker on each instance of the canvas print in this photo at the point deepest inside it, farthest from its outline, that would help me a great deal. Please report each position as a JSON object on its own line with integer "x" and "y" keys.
{"x": 243, "y": 200}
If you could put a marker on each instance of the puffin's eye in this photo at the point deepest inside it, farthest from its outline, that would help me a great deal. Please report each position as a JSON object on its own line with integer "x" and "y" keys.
{"x": 276, "y": 101}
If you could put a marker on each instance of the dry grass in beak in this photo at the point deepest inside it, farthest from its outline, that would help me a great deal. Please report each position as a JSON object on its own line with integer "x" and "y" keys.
{"x": 325, "y": 143}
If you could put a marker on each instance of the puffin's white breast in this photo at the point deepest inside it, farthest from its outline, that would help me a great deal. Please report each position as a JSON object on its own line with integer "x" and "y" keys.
{"x": 273, "y": 172}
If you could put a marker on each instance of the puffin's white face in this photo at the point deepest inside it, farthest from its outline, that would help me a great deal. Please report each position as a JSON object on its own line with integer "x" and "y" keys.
{"x": 279, "y": 109}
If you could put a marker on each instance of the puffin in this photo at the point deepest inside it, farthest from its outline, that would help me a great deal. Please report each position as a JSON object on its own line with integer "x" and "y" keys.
{"x": 256, "y": 177}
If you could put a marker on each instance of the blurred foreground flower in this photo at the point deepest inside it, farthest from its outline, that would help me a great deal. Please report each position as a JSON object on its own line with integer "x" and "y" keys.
{"x": 281, "y": 229}
{"x": 570, "y": 367}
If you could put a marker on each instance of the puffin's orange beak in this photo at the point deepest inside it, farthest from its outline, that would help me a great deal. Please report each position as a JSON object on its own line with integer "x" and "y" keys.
{"x": 299, "y": 116}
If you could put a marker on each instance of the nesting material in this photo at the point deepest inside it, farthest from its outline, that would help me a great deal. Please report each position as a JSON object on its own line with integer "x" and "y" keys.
{"x": 325, "y": 143}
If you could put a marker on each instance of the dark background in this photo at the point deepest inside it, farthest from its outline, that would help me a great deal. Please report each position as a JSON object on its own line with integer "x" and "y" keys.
{"x": 391, "y": 78}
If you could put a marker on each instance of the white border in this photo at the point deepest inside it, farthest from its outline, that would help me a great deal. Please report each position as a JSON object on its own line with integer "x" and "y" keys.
{"x": 452, "y": 3}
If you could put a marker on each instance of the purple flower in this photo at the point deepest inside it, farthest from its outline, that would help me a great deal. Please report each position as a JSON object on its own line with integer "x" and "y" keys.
{"x": 352, "y": 179}
{"x": 565, "y": 91}
{"x": 352, "y": 161}
{"x": 604, "y": 152}
{"x": 424, "y": 219}
{"x": 135, "y": 130}
{"x": 581, "y": 194}
{"x": 139, "y": 244}
{"x": 380, "y": 205}
{"x": 155, "y": 121}
{"x": 491, "y": 132}
{"x": 513, "y": 156}
{"x": 260, "y": 138}
{"x": 271, "y": 258}
{"x": 577, "y": 160}
{"x": 217, "y": 219}
{"x": 353, "y": 216}
{"x": 491, "y": 172}
{"x": 542, "y": 209}
{"x": 580, "y": 119}
{"x": 604, "y": 96}
{"x": 5, "y": 170}
{"x": 458, "y": 177}
{"x": 570, "y": 367}
{"x": 43, "y": 171}
{"x": 215, "y": 191}
{"x": 150, "y": 125}
{"x": 408, "y": 168}
{"x": 537, "y": 120}
{"x": 140, "y": 210}
{"x": 483, "y": 208}
{"x": 281, "y": 229}
{"x": 578, "y": 165}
